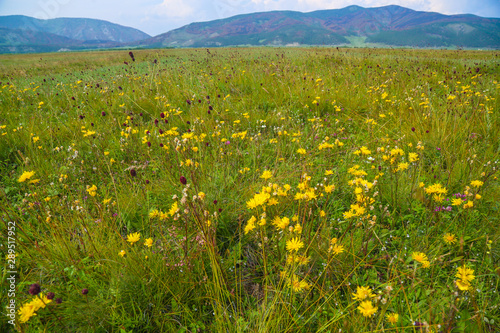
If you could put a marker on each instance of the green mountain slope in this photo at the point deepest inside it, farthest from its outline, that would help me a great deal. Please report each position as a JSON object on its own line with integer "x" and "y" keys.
{"x": 82, "y": 29}
{"x": 389, "y": 25}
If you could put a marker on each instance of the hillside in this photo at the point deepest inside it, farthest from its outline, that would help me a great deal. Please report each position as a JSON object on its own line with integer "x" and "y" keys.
{"x": 82, "y": 29}
{"x": 386, "y": 26}
{"x": 389, "y": 25}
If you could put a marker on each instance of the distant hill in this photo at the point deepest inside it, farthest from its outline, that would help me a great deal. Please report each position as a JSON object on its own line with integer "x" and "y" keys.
{"x": 21, "y": 34}
{"x": 388, "y": 25}
{"x": 351, "y": 26}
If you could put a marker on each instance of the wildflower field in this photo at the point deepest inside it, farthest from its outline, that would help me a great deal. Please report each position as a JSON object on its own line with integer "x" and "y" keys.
{"x": 250, "y": 190}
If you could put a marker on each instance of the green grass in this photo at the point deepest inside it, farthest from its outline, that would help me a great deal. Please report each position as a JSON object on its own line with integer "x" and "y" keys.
{"x": 111, "y": 144}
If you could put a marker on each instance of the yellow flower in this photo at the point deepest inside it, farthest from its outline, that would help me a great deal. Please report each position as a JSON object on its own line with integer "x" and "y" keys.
{"x": 26, "y": 175}
{"x": 154, "y": 213}
{"x": 476, "y": 183}
{"x": 322, "y": 213}
{"x": 465, "y": 275}
{"x": 40, "y": 302}
{"x": 463, "y": 285}
{"x": 250, "y": 225}
{"x": 297, "y": 284}
{"x": 436, "y": 189}
{"x": 367, "y": 309}
{"x": 328, "y": 172}
{"x": 337, "y": 249}
{"x": 392, "y": 318}
{"x": 402, "y": 166}
{"x": 449, "y": 238}
{"x": 362, "y": 293}
{"x": 122, "y": 253}
{"x": 301, "y": 151}
{"x": 26, "y": 312}
{"x": 329, "y": 188}
{"x": 281, "y": 223}
{"x": 469, "y": 204}
{"x": 478, "y": 196}
{"x": 92, "y": 190}
{"x": 294, "y": 244}
{"x": 420, "y": 257}
{"x": 257, "y": 200}
{"x": 201, "y": 195}
{"x": 412, "y": 157}
{"x": 149, "y": 242}
{"x": 266, "y": 174}
{"x": 456, "y": 202}
{"x": 173, "y": 209}
{"x": 133, "y": 238}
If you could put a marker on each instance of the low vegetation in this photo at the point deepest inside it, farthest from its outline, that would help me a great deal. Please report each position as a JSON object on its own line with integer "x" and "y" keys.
{"x": 251, "y": 190}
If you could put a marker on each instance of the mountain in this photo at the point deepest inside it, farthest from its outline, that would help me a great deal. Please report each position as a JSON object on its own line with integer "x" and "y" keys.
{"x": 350, "y": 26}
{"x": 389, "y": 25}
{"x": 82, "y": 29}
{"x": 23, "y": 34}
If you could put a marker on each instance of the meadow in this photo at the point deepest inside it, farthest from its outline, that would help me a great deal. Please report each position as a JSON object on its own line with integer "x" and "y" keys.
{"x": 250, "y": 190}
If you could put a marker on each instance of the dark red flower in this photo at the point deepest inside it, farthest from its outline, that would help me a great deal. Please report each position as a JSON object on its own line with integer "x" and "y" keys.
{"x": 34, "y": 289}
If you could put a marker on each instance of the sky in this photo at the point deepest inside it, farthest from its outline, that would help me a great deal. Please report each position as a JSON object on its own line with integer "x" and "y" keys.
{"x": 158, "y": 16}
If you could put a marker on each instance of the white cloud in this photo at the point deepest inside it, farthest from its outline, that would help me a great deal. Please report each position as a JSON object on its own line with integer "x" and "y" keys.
{"x": 173, "y": 9}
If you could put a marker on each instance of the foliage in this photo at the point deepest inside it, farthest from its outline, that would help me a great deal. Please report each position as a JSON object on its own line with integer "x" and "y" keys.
{"x": 252, "y": 190}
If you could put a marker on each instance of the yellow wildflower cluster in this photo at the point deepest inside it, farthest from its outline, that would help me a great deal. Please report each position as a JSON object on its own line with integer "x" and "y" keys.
{"x": 363, "y": 294}
{"x": 421, "y": 258}
{"x": 26, "y": 176}
{"x": 29, "y": 309}
{"x": 92, "y": 190}
{"x": 306, "y": 193}
{"x": 335, "y": 248}
{"x": 361, "y": 188}
{"x": 155, "y": 213}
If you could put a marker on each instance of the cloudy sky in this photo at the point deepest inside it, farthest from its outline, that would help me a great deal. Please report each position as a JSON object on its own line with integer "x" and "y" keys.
{"x": 158, "y": 16}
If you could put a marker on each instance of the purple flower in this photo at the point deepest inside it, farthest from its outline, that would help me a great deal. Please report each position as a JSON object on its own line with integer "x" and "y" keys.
{"x": 34, "y": 289}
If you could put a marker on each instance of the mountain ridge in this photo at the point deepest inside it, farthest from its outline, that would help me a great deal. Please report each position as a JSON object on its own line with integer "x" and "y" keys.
{"x": 386, "y": 26}
{"x": 336, "y": 26}
{"x": 24, "y": 34}
{"x": 83, "y": 29}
